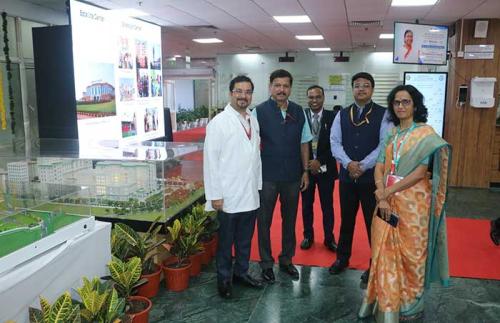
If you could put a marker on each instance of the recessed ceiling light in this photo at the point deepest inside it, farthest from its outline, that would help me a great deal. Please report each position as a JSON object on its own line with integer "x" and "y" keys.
{"x": 207, "y": 40}
{"x": 309, "y": 37}
{"x": 177, "y": 56}
{"x": 320, "y": 49}
{"x": 413, "y": 3}
{"x": 386, "y": 36}
{"x": 129, "y": 12}
{"x": 292, "y": 19}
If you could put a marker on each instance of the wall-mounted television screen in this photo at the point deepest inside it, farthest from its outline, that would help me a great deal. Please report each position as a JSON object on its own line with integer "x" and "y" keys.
{"x": 433, "y": 86}
{"x": 118, "y": 75}
{"x": 420, "y": 44}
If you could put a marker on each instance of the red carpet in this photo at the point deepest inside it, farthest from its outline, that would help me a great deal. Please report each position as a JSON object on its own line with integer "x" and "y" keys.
{"x": 471, "y": 252}
{"x": 191, "y": 135}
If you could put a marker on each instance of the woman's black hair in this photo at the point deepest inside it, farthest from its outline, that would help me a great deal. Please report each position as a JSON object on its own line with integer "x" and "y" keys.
{"x": 420, "y": 111}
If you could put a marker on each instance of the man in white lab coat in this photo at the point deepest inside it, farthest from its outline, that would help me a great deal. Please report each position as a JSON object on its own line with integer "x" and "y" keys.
{"x": 232, "y": 179}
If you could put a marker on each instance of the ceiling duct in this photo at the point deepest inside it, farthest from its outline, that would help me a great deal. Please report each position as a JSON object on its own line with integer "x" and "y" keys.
{"x": 365, "y": 23}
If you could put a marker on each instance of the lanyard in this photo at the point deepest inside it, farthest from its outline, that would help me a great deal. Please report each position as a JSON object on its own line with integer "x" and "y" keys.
{"x": 365, "y": 120}
{"x": 397, "y": 146}
{"x": 249, "y": 131}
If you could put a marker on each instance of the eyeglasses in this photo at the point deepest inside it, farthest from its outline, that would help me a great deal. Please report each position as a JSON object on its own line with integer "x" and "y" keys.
{"x": 362, "y": 86}
{"x": 239, "y": 92}
{"x": 318, "y": 97}
{"x": 404, "y": 102}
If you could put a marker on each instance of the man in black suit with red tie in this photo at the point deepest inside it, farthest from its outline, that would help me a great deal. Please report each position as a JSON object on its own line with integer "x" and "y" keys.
{"x": 323, "y": 170}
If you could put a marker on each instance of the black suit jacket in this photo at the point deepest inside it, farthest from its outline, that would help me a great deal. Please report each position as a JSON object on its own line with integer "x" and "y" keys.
{"x": 324, "y": 153}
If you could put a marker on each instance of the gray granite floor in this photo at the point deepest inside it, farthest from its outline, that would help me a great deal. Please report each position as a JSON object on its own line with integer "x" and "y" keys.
{"x": 321, "y": 297}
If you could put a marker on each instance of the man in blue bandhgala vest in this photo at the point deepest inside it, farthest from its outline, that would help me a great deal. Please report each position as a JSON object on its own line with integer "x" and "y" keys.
{"x": 357, "y": 134}
{"x": 285, "y": 140}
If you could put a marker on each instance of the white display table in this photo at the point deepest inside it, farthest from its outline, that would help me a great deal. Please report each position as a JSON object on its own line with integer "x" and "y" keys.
{"x": 54, "y": 272}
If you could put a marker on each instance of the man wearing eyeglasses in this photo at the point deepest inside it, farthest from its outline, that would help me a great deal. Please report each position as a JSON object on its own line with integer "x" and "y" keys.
{"x": 357, "y": 135}
{"x": 232, "y": 179}
{"x": 285, "y": 140}
{"x": 323, "y": 170}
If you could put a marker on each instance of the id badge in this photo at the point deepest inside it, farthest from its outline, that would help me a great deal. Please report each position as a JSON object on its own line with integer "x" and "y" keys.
{"x": 314, "y": 145}
{"x": 392, "y": 179}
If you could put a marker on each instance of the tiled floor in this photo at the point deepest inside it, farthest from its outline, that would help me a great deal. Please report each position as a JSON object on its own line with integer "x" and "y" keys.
{"x": 321, "y": 297}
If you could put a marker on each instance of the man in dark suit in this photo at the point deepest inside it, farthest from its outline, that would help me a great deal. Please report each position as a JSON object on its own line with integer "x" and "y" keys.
{"x": 323, "y": 169}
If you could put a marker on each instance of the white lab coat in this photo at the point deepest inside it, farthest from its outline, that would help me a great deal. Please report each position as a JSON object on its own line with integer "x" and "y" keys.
{"x": 232, "y": 168}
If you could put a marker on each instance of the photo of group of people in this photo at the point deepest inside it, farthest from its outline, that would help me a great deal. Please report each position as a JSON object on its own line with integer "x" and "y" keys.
{"x": 129, "y": 125}
{"x": 125, "y": 58}
{"x": 156, "y": 84}
{"x": 127, "y": 89}
{"x": 151, "y": 119}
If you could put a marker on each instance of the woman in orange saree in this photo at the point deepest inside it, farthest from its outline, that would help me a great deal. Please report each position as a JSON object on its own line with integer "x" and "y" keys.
{"x": 409, "y": 249}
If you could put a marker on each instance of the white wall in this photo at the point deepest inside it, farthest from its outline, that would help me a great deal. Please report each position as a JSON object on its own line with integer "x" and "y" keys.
{"x": 259, "y": 66}
{"x": 29, "y": 11}
{"x": 184, "y": 94}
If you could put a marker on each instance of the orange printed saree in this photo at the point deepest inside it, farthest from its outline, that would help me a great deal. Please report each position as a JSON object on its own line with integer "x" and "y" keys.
{"x": 408, "y": 257}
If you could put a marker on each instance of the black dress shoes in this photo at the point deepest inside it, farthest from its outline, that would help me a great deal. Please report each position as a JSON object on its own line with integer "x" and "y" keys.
{"x": 268, "y": 275}
{"x": 247, "y": 280}
{"x": 364, "y": 279}
{"x": 306, "y": 243}
{"x": 224, "y": 288}
{"x": 338, "y": 267}
{"x": 494, "y": 234}
{"x": 290, "y": 270}
{"x": 330, "y": 245}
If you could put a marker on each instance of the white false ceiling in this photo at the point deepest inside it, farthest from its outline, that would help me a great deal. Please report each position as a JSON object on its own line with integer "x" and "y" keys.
{"x": 247, "y": 26}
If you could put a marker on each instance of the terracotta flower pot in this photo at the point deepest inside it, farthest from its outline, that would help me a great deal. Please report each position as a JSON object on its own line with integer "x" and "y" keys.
{"x": 141, "y": 316}
{"x": 196, "y": 263}
{"x": 150, "y": 289}
{"x": 207, "y": 254}
{"x": 176, "y": 279}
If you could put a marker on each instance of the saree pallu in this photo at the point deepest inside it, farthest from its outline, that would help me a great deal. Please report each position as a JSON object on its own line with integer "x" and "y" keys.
{"x": 408, "y": 257}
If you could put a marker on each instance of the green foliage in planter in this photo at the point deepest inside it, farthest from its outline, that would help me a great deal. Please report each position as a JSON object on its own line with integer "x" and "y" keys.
{"x": 62, "y": 311}
{"x": 129, "y": 243}
{"x": 126, "y": 275}
{"x": 184, "y": 238}
{"x": 208, "y": 219}
{"x": 100, "y": 302}
{"x": 191, "y": 115}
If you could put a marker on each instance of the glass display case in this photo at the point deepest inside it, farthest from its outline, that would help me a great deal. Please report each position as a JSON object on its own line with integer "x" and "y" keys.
{"x": 65, "y": 182}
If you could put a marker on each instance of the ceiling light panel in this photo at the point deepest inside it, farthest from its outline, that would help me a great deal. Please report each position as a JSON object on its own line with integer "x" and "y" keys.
{"x": 309, "y": 37}
{"x": 207, "y": 40}
{"x": 413, "y": 3}
{"x": 292, "y": 19}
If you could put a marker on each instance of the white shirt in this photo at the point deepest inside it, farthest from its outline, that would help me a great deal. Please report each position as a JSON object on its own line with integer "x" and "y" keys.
{"x": 232, "y": 168}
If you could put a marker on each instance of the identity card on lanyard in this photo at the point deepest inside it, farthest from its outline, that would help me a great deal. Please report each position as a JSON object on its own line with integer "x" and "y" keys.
{"x": 397, "y": 147}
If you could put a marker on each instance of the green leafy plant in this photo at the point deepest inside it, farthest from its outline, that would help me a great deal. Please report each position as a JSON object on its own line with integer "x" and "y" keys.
{"x": 208, "y": 219}
{"x": 129, "y": 243}
{"x": 100, "y": 302}
{"x": 126, "y": 275}
{"x": 183, "y": 239}
{"x": 62, "y": 311}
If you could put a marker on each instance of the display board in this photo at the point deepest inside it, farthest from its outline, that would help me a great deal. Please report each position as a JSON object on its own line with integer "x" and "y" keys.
{"x": 118, "y": 75}
{"x": 433, "y": 87}
{"x": 420, "y": 44}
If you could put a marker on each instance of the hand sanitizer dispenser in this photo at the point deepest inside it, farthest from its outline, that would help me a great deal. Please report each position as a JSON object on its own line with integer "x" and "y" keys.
{"x": 481, "y": 92}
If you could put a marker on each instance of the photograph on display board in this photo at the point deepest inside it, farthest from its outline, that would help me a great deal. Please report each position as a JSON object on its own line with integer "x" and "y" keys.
{"x": 156, "y": 89}
{"x": 129, "y": 125}
{"x": 127, "y": 89}
{"x": 155, "y": 57}
{"x": 151, "y": 120}
{"x": 96, "y": 91}
{"x": 125, "y": 59}
{"x": 142, "y": 83}
{"x": 130, "y": 152}
{"x": 153, "y": 153}
{"x": 141, "y": 60}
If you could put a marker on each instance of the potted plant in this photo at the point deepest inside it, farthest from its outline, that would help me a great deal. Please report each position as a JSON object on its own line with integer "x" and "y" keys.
{"x": 100, "y": 302}
{"x": 130, "y": 243}
{"x": 62, "y": 311}
{"x": 208, "y": 234}
{"x": 126, "y": 277}
{"x": 180, "y": 246}
{"x": 193, "y": 227}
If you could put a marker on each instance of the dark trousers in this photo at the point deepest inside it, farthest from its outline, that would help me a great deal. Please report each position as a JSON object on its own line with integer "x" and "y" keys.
{"x": 237, "y": 229}
{"x": 351, "y": 194}
{"x": 289, "y": 198}
{"x": 325, "y": 184}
